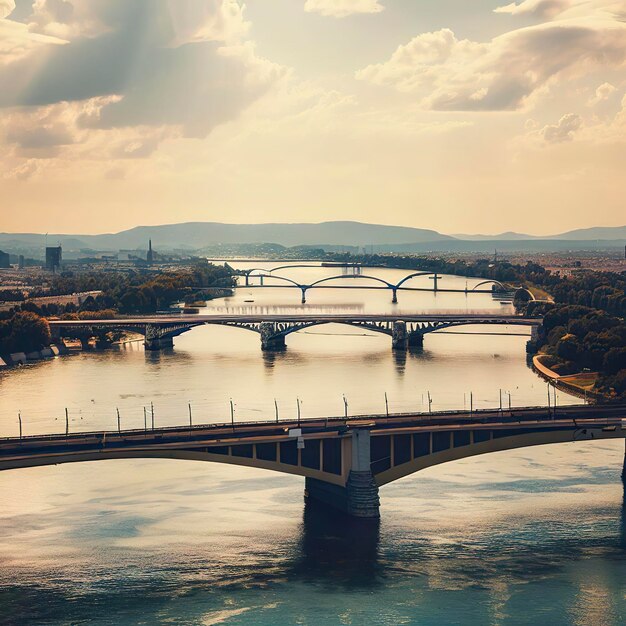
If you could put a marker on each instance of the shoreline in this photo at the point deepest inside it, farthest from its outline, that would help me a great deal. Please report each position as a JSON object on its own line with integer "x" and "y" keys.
{"x": 562, "y": 382}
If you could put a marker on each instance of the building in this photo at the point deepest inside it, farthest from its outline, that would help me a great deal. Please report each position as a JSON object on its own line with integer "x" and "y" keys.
{"x": 150, "y": 255}
{"x": 5, "y": 260}
{"x": 54, "y": 258}
{"x": 20, "y": 262}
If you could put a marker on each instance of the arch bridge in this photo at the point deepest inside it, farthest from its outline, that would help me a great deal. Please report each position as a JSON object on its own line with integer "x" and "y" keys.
{"x": 381, "y": 283}
{"x": 344, "y": 460}
{"x": 407, "y": 331}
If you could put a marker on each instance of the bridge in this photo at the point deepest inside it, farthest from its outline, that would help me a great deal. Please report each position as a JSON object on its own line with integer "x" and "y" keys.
{"x": 406, "y": 331}
{"x": 344, "y": 460}
{"x": 380, "y": 283}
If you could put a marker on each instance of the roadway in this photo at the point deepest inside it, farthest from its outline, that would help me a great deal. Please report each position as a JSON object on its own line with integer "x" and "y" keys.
{"x": 299, "y": 318}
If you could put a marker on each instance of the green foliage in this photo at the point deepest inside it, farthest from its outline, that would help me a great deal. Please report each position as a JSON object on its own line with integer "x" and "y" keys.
{"x": 23, "y": 331}
{"x": 580, "y": 337}
{"x": 136, "y": 292}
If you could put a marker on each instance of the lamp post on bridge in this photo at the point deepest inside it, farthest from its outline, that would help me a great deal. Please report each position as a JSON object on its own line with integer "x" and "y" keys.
{"x": 345, "y": 407}
{"x": 67, "y": 423}
{"x": 190, "y": 416}
{"x": 119, "y": 424}
{"x": 298, "y": 407}
{"x": 19, "y": 417}
{"x": 386, "y": 405}
{"x": 276, "y": 409}
{"x": 232, "y": 414}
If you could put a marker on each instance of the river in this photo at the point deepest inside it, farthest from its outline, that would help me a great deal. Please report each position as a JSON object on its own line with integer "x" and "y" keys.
{"x": 529, "y": 536}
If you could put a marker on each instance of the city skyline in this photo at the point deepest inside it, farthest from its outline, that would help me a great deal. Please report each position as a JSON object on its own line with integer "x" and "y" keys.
{"x": 481, "y": 119}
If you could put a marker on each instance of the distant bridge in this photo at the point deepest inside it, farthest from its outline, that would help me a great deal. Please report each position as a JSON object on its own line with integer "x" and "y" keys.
{"x": 344, "y": 460}
{"x": 405, "y": 330}
{"x": 381, "y": 283}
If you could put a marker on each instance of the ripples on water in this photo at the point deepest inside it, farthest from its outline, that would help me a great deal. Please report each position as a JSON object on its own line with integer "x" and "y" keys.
{"x": 534, "y": 536}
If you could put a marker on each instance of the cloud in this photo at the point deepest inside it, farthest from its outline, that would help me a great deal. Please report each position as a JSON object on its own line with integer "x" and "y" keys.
{"x": 182, "y": 63}
{"x": 6, "y": 8}
{"x": 563, "y": 130}
{"x": 449, "y": 74}
{"x": 536, "y": 8}
{"x": 342, "y": 8}
{"x": 603, "y": 92}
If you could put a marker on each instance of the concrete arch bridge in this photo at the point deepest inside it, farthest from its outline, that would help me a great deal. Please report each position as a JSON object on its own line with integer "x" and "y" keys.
{"x": 344, "y": 460}
{"x": 160, "y": 331}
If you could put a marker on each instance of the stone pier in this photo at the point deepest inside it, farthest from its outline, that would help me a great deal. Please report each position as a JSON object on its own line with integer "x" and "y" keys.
{"x": 416, "y": 339}
{"x": 399, "y": 336}
{"x": 271, "y": 339}
{"x": 158, "y": 343}
{"x": 359, "y": 497}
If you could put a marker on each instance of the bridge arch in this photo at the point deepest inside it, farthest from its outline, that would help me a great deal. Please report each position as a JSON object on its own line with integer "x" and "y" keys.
{"x": 387, "y": 284}
{"x": 488, "y": 282}
{"x": 524, "y": 439}
{"x": 411, "y": 276}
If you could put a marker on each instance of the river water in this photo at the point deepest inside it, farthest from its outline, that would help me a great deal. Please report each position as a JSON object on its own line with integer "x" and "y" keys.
{"x": 531, "y": 536}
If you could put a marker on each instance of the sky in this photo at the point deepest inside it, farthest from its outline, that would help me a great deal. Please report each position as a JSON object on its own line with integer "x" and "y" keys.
{"x": 463, "y": 116}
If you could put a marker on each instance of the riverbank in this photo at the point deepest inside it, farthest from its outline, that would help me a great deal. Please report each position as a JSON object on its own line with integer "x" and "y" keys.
{"x": 580, "y": 385}
{"x": 21, "y": 358}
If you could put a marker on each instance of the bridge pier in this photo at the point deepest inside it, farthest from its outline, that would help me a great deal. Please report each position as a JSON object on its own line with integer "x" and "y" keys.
{"x": 416, "y": 339}
{"x": 399, "y": 336}
{"x": 158, "y": 343}
{"x": 271, "y": 339}
{"x": 359, "y": 497}
{"x": 394, "y": 297}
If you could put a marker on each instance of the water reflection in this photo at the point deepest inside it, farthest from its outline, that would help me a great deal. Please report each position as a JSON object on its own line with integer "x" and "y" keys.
{"x": 337, "y": 549}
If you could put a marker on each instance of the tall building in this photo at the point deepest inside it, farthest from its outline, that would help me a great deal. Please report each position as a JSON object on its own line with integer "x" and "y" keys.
{"x": 20, "y": 262}
{"x": 150, "y": 255}
{"x": 54, "y": 258}
{"x": 5, "y": 260}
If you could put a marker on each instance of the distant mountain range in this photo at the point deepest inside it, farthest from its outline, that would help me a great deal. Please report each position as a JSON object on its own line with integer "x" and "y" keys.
{"x": 611, "y": 233}
{"x": 199, "y": 235}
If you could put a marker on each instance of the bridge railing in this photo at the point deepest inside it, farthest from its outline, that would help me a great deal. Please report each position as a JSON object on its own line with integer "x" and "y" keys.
{"x": 305, "y": 422}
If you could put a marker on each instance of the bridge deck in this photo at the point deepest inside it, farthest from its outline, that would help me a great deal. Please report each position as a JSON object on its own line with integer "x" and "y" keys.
{"x": 249, "y": 432}
{"x": 296, "y": 318}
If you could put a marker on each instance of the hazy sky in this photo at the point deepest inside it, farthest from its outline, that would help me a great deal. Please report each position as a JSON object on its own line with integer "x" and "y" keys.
{"x": 456, "y": 115}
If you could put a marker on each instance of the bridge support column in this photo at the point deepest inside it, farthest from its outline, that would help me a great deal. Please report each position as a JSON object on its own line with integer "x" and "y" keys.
{"x": 303, "y": 301}
{"x": 158, "y": 343}
{"x": 394, "y": 297}
{"x": 155, "y": 341}
{"x": 399, "y": 336}
{"x": 416, "y": 339}
{"x": 359, "y": 497}
{"x": 271, "y": 340}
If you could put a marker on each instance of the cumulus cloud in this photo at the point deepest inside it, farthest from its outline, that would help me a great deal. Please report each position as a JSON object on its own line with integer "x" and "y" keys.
{"x": 182, "y": 63}
{"x": 603, "y": 92}
{"x": 536, "y": 8}
{"x": 342, "y": 8}
{"x": 462, "y": 75}
{"x": 563, "y": 130}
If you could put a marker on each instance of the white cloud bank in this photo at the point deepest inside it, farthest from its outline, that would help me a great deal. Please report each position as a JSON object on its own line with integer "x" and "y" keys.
{"x": 450, "y": 74}
{"x": 342, "y": 8}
